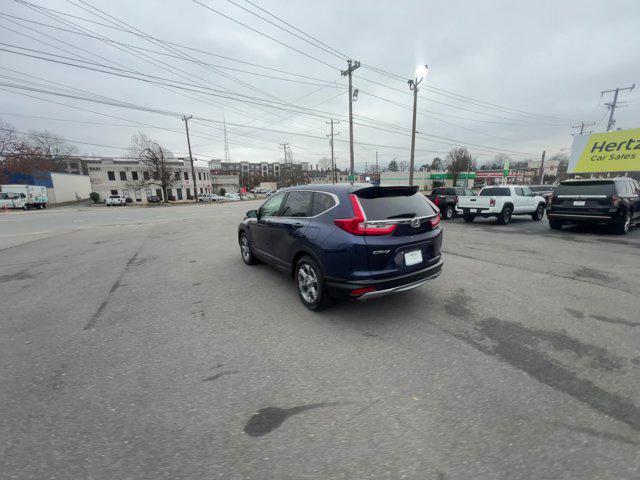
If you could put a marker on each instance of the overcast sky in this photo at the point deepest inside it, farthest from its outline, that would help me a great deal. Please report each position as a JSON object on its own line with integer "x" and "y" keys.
{"x": 548, "y": 59}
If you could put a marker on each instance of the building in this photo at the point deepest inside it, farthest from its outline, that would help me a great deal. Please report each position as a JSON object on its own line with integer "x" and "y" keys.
{"x": 251, "y": 173}
{"x": 113, "y": 176}
{"x": 61, "y": 187}
{"x": 230, "y": 183}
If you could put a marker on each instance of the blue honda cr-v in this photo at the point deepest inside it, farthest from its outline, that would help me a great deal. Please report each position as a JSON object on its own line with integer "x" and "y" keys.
{"x": 346, "y": 241}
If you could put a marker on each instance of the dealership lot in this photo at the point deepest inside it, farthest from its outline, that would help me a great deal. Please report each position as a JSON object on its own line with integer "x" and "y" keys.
{"x": 135, "y": 343}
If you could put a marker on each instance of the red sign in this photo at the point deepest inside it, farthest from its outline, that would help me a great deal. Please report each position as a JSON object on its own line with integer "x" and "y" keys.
{"x": 244, "y": 190}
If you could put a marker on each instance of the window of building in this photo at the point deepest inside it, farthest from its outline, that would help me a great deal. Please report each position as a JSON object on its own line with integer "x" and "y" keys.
{"x": 111, "y": 176}
{"x": 114, "y": 192}
{"x": 199, "y": 176}
{"x": 179, "y": 193}
{"x": 176, "y": 175}
{"x": 158, "y": 192}
{"x": 145, "y": 175}
{"x": 123, "y": 175}
{"x": 186, "y": 177}
{"x": 189, "y": 193}
{"x": 134, "y": 175}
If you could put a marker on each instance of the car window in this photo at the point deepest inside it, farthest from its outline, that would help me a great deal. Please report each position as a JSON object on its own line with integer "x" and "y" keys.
{"x": 518, "y": 191}
{"x": 587, "y": 188}
{"x": 495, "y": 192}
{"x": 469, "y": 193}
{"x": 459, "y": 191}
{"x": 297, "y": 204}
{"x": 389, "y": 204}
{"x": 450, "y": 191}
{"x": 271, "y": 206}
{"x": 438, "y": 191}
{"x": 527, "y": 192}
{"x": 321, "y": 203}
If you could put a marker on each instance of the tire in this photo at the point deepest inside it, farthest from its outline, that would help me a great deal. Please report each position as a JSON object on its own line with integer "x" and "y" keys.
{"x": 448, "y": 212}
{"x": 555, "y": 224}
{"x": 310, "y": 283}
{"x": 468, "y": 217}
{"x": 622, "y": 227}
{"x": 538, "y": 214}
{"x": 245, "y": 250}
{"x": 25, "y": 207}
{"x": 505, "y": 216}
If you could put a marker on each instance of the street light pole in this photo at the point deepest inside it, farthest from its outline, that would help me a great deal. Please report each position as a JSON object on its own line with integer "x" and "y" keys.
{"x": 421, "y": 72}
{"x": 186, "y": 118}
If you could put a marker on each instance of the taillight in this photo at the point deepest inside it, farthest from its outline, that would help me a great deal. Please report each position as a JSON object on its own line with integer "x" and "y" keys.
{"x": 357, "y": 225}
{"x": 435, "y": 221}
{"x": 436, "y": 200}
{"x": 492, "y": 202}
{"x": 615, "y": 200}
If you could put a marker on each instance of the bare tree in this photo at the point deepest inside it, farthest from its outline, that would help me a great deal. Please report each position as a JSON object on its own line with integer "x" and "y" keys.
{"x": 403, "y": 165}
{"x": 325, "y": 163}
{"x": 436, "y": 164}
{"x": 54, "y": 149}
{"x": 154, "y": 159}
{"x": 8, "y": 138}
{"x": 458, "y": 161}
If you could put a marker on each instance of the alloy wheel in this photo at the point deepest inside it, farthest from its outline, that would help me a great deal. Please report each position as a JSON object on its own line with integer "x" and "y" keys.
{"x": 245, "y": 249}
{"x": 308, "y": 283}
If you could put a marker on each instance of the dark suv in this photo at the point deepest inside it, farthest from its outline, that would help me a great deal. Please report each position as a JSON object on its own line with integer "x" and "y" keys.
{"x": 446, "y": 199}
{"x": 612, "y": 201}
{"x": 345, "y": 241}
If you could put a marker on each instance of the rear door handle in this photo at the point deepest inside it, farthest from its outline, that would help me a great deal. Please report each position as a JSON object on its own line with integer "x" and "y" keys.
{"x": 297, "y": 225}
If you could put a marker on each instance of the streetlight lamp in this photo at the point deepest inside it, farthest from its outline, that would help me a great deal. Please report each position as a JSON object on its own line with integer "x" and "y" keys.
{"x": 421, "y": 73}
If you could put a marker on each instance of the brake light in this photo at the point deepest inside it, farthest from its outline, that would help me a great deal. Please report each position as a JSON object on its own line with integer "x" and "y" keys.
{"x": 357, "y": 225}
{"x": 492, "y": 202}
{"x": 435, "y": 221}
{"x": 436, "y": 200}
{"x": 615, "y": 200}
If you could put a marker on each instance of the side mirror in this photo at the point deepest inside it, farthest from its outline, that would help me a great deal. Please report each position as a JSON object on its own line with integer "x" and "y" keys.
{"x": 252, "y": 214}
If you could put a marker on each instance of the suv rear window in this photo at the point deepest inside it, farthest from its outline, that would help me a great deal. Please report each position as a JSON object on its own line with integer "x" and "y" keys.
{"x": 586, "y": 188}
{"x": 394, "y": 202}
{"x": 495, "y": 192}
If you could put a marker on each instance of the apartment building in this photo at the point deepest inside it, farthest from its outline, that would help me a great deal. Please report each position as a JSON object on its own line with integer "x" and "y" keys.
{"x": 259, "y": 169}
{"x": 113, "y": 176}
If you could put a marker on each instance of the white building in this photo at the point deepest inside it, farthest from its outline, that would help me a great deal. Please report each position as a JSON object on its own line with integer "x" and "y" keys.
{"x": 67, "y": 187}
{"x": 112, "y": 176}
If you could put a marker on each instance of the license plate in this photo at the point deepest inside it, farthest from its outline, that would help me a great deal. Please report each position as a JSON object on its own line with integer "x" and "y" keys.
{"x": 578, "y": 203}
{"x": 478, "y": 211}
{"x": 413, "y": 258}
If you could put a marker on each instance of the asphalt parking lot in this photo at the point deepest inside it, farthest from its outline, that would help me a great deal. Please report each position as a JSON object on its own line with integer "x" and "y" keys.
{"x": 136, "y": 344}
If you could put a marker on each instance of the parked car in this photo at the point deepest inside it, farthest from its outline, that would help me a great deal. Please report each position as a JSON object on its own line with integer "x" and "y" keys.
{"x": 34, "y": 196}
{"x": 343, "y": 241}
{"x": 446, "y": 199}
{"x": 211, "y": 197}
{"x": 614, "y": 201}
{"x": 502, "y": 201}
{"x": 544, "y": 190}
{"x": 232, "y": 197}
{"x": 115, "y": 200}
{"x": 154, "y": 199}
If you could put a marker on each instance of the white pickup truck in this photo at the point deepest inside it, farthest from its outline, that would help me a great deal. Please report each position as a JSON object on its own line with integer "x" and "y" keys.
{"x": 502, "y": 201}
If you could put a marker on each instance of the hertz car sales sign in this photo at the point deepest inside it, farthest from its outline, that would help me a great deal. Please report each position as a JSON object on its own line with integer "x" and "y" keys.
{"x": 606, "y": 152}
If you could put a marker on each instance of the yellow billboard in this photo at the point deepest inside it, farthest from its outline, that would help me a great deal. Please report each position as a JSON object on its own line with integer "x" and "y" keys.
{"x": 606, "y": 152}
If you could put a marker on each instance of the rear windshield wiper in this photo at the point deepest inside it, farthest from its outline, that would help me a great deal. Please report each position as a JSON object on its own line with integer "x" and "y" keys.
{"x": 402, "y": 215}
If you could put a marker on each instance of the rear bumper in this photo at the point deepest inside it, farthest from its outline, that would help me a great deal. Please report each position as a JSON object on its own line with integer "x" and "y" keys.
{"x": 383, "y": 287}
{"x": 578, "y": 217}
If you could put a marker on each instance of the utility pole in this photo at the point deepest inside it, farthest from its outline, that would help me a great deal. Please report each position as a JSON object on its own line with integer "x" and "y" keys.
{"x": 614, "y": 104}
{"x": 581, "y": 127}
{"x": 413, "y": 85}
{"x": 377, "y": 171}
{"x": 351, "y": 66}
{"x": 542, "y": 168}
{"x": 227, "y": 155}
{"x": 185, "y": 119}
{"x": 333, "y": 160}
{"x": 285, "y": 147}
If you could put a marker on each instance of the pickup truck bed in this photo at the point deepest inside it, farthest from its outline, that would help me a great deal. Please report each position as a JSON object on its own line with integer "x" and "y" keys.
{"x": 502, "y": 202}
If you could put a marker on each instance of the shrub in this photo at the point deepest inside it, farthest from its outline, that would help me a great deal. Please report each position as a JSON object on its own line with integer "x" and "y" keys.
{"x": 95, "y": 197}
